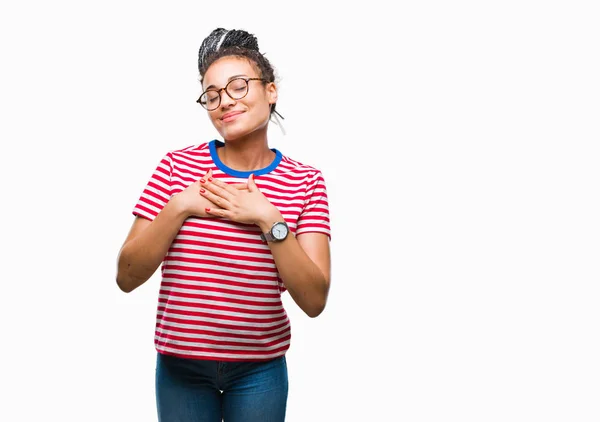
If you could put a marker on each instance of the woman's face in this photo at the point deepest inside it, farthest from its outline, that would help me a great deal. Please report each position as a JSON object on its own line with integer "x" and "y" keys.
{"x": 237, "y": 118}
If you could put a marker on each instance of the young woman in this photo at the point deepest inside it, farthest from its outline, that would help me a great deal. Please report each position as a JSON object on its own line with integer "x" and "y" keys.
{"x": 234, "y": 224}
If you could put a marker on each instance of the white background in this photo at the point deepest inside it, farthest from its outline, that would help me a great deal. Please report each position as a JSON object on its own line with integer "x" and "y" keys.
{"x": 459, "y": 143}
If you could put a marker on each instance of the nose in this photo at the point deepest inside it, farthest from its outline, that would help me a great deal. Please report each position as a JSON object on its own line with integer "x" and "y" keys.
{"x": 226, "y": 100}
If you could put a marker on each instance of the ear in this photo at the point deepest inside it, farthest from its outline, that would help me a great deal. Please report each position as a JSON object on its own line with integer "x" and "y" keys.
{"x": 272, "y": 93}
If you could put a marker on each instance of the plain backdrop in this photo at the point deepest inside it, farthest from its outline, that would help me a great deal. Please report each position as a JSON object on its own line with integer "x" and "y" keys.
{"x": 459, "y": 144}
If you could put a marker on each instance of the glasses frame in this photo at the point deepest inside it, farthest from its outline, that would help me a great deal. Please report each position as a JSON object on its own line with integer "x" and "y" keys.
{"x": 218, "y": 91}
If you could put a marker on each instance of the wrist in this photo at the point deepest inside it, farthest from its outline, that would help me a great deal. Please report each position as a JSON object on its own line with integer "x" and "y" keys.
{"x": 268, "y": 220}
{"x": 178, "y": 207}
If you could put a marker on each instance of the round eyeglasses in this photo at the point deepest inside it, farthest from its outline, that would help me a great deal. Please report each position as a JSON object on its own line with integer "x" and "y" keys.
{"x": 236, "y": 89}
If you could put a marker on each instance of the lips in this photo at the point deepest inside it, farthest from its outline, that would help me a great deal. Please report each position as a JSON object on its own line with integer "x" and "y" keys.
{"x": 228, "y": 117}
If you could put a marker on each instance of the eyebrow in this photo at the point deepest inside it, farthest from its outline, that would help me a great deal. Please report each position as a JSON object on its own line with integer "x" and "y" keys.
{"x": 230, "y": 78}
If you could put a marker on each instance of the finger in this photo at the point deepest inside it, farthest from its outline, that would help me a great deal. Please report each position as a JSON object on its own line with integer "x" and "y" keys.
{"x": 251, "y": 185}
{"x": 217, "y": 212}
{"x": 206, "y": 176}
{"x": 240, "y": 186}
{"x": 219, "y": 183}
{"x": 219, "y": 201}
{"x": 220, "y": 188}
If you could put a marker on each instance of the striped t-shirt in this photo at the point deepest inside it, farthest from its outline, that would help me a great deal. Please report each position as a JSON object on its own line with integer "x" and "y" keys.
{"x": 220, "y": 292}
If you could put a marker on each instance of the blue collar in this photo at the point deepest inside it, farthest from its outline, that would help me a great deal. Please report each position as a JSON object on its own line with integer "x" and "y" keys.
{"x": 214, "y": 144}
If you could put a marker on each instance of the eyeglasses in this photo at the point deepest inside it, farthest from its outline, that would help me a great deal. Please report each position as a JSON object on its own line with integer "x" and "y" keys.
{"x": 236, "y": 89}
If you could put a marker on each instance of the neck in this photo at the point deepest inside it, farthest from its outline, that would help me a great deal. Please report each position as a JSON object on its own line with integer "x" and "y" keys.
{"x": 247, "y": 153}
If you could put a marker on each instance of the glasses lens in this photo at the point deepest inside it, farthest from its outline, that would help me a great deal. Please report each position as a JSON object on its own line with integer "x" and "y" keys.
{"x": 237, "y": 88}
{"x": 210, "y": 100}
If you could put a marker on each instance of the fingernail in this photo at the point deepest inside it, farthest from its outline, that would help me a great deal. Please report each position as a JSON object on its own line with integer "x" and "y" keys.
{"x": 202, "y": 190}
{"x": 202, "y": 181}
{"x": 206, "y": 209}
{"x": 210, "y": 179}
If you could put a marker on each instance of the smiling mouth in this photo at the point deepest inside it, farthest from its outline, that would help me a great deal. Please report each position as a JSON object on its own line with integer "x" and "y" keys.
{"x": 231, "y": 117}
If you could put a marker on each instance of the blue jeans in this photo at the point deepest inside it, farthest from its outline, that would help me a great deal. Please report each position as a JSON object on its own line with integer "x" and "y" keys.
{"x": 191, "y": 390}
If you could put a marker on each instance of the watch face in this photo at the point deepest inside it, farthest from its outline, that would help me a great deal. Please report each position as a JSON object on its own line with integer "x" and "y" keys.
{"x": 279, "y": 231}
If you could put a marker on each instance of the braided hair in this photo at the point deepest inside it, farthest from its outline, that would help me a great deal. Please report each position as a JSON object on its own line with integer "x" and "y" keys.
{"x": 237, "y": 43}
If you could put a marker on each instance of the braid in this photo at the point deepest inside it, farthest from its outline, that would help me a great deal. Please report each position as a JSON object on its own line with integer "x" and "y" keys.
{"x": 221, "y": 39}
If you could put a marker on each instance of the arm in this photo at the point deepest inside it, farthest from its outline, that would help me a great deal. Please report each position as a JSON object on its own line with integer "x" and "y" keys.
{"x": 304, "y": 265}
{"x": 149, "y": 241}
{"x": 146, "y": 246}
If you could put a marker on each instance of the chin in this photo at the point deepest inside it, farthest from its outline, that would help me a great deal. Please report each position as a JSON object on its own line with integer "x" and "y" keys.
{"x": 233, "y": 134}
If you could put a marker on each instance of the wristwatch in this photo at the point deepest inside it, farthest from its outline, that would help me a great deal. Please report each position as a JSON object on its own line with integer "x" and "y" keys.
{"x": 278, "y": 232}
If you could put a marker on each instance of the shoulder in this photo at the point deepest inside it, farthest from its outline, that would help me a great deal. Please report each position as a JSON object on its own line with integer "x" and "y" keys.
{"x": 192, "y": 152}
{"x": 291, "y": 165}
{"x": 191, "y": 149}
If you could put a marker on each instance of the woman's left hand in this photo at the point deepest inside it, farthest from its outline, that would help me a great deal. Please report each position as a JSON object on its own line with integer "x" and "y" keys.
{"x": 243, "y": 206}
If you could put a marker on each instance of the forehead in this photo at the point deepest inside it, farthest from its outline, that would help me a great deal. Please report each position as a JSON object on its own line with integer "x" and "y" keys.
{"x": 219, "y": 73}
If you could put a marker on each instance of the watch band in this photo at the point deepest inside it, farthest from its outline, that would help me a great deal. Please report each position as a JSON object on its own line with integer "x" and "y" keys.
{"x": 267, "y": 237}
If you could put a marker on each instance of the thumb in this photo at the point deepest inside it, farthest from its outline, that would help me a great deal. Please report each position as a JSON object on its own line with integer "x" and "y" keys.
{"x": 251, "y": 185}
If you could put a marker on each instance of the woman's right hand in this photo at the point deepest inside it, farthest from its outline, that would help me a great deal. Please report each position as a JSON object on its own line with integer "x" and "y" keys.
{"x": 193, "y": 204}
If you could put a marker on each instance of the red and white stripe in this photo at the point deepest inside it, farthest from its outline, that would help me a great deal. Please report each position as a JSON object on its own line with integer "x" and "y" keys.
{"x": 220, "y": 293}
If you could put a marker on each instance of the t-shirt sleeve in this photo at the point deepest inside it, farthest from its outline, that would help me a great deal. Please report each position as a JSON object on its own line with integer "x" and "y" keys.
{"x": 315, "y": 215}
{"x": 157, "y": 192}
